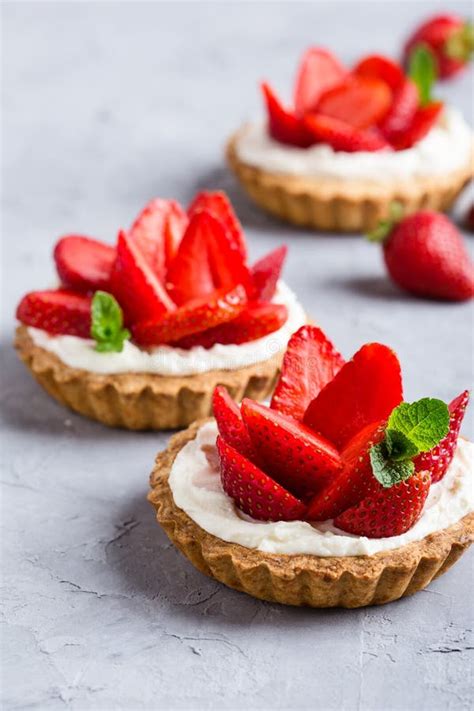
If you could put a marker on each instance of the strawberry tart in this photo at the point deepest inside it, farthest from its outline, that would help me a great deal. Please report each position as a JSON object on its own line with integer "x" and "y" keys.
{"x": 139, "y": 334}
{"x": 339, "y": 493}
{"x": 353, "y": 141}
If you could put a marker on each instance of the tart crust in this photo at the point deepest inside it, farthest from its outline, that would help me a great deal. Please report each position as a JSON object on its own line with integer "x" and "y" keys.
{"x": 315, "y": 581}
{"x": 142, "y": 401}
{"x": 343, "y": 205}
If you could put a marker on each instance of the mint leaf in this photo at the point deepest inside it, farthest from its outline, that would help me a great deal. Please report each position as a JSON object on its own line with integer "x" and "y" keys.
{"x": 107, "y": 323}
{"x": 399, "y": 447}
{"x": 422, "y": 69}
{"x": 387, "y": 471}
{"x": 424, "y": 423}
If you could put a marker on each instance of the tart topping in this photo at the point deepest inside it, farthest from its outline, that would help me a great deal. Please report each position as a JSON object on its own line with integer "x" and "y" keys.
{"x": 318, "y": 72}
{"x": 179, "y": 278}
{"x": 361, "y": 456}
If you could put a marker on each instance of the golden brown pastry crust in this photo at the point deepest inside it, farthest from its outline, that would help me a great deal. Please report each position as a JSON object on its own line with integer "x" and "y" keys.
{"x": 343, "y": 205}
{"x": 142, "y": 401}
{"x": 351, "y": 581}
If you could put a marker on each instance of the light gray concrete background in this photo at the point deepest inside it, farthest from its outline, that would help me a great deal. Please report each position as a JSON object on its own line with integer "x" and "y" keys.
{"x": 104, "y": 106}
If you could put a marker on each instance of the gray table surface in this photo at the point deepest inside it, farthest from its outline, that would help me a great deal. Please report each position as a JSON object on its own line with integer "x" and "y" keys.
{"x": 104, "y": 106}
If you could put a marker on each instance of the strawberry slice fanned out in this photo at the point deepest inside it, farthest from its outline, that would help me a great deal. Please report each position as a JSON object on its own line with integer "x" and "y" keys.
{"x": 230, "y": 423}
{"x": 387, "y": 512}
{"x": 342, "y": 136}
{"x": 255, "y": 321}
{"x": 293, "y": 455}
{"x": 355, "y": 480}
{"x": 422, "y": 122}
{"x": 283, "y": 124}
{"x": 376, "y": 66}
{"x": 200, "y": 314}
{"x": 319, "y": 71}
{"x": 358, "y": 101}
{"x": 310, "y": 363}
{"x": 253, "y": 491}
{"x": 157, "y": 232}
{"x": 365, "y": 390}
{"x": 266, "y": 272}
{"x": 135, "y": 285}
{"x": 84, "y": 264}
{"x": 60, "y": 312}
{"x": 399, "y": 117}
{"x": 218, "y": 205}
{"x": 438, "y": 459}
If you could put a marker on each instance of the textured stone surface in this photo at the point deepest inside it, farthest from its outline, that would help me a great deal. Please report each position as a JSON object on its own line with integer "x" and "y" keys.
{"x": 105, "y": 106}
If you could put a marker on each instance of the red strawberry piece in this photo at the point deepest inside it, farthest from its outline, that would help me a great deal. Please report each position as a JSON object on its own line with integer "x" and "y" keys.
{"x": 438, "y": 459}
{"x": 197, "y": 315}
{"x": 426, "y": 255}
{"x": 358, "y": 101}
{"x": 83, "y": 263}
{"x": 365, "y": 390}
{"x": 255, "y": 321}
{"x": 356, "y": 479}
{"x": 230, "y": 423}
{"x": 450, "y": 39}
{"x": 376, "y": 66}
{"x": 218, "y": 204}
{"x": 60, "y": 312}
{"x": 266, "y": 272}
{"x": 319, "y": 70}
{"x": 297, "y": 458}
{"x": 400, "y": 115}
{"x": 421, "y": 124}
{"x": 343, "y": 137}
{"x": 136, "y": 287}
{"x": 157, "y": 232}
{"x": 283, "y": 124}
{"x": 310, "y": 363}
{"x": 387, "y": 512}
{"x": 253, "y": 491}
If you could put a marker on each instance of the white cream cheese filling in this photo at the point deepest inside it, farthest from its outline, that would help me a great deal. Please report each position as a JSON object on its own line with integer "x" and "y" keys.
{"x": 197, "y": 490}
{"x": 446, "y": 148}
{"x": 166, "y": 360}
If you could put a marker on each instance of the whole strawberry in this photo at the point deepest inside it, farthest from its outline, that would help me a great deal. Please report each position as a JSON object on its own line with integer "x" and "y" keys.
{"x": 451, "y": 40}
{"x": 425, "y": 254}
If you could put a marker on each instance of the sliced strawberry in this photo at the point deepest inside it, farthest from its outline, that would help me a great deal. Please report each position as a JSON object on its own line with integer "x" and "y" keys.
{"x": 218, "y": 204}
{"x": 358, "y": 101}
{"x": 438, "y": 459}
{"x": 421, "y": 124}
{"x": 376, "y": 66}
{"x": 310, "y": 363}
{"x": 138, "y": 290}
{"x": 319, "y": 70}
{"x": 387, "y": 512}
{"x": 365, "y": 390}
{"x": 83, "y": 263}
{"x": 189, "y": 275}
{"x": 197, "y": 315}
{"x": 343, "y": 137}
{"x": 296, "y": 457}
{"x": 405, "y": 103}
{"x": 228, "y": 267}
{"x": 266, "y": 272}
{"x": 157, "y": 232}
{"x": 60, "y": 312}
{"x": 283, "y": 124}
{"x": 255, "y": 321}
{"x": 230, "y": 423}
{"x": 355, "y": 481}
{"x": 253, "y": 492}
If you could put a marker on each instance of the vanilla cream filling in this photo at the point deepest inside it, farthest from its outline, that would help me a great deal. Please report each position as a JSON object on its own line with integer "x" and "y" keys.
{"x": 166, "y": 360}
{"x": 446, "y": 148}
{"x": 197, "y": 490}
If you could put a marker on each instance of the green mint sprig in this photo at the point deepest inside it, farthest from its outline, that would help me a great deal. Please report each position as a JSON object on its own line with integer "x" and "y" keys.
{"x": 107, "y": 323}
{"x": 422, "y": 70}
{"x": 411, "y": 428}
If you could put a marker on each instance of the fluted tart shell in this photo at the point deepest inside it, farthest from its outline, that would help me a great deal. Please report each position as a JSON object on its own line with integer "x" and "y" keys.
{"x": 304, "y": 580}
{"x": 335, "y": 205}
{"x": 142, "y": 401}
